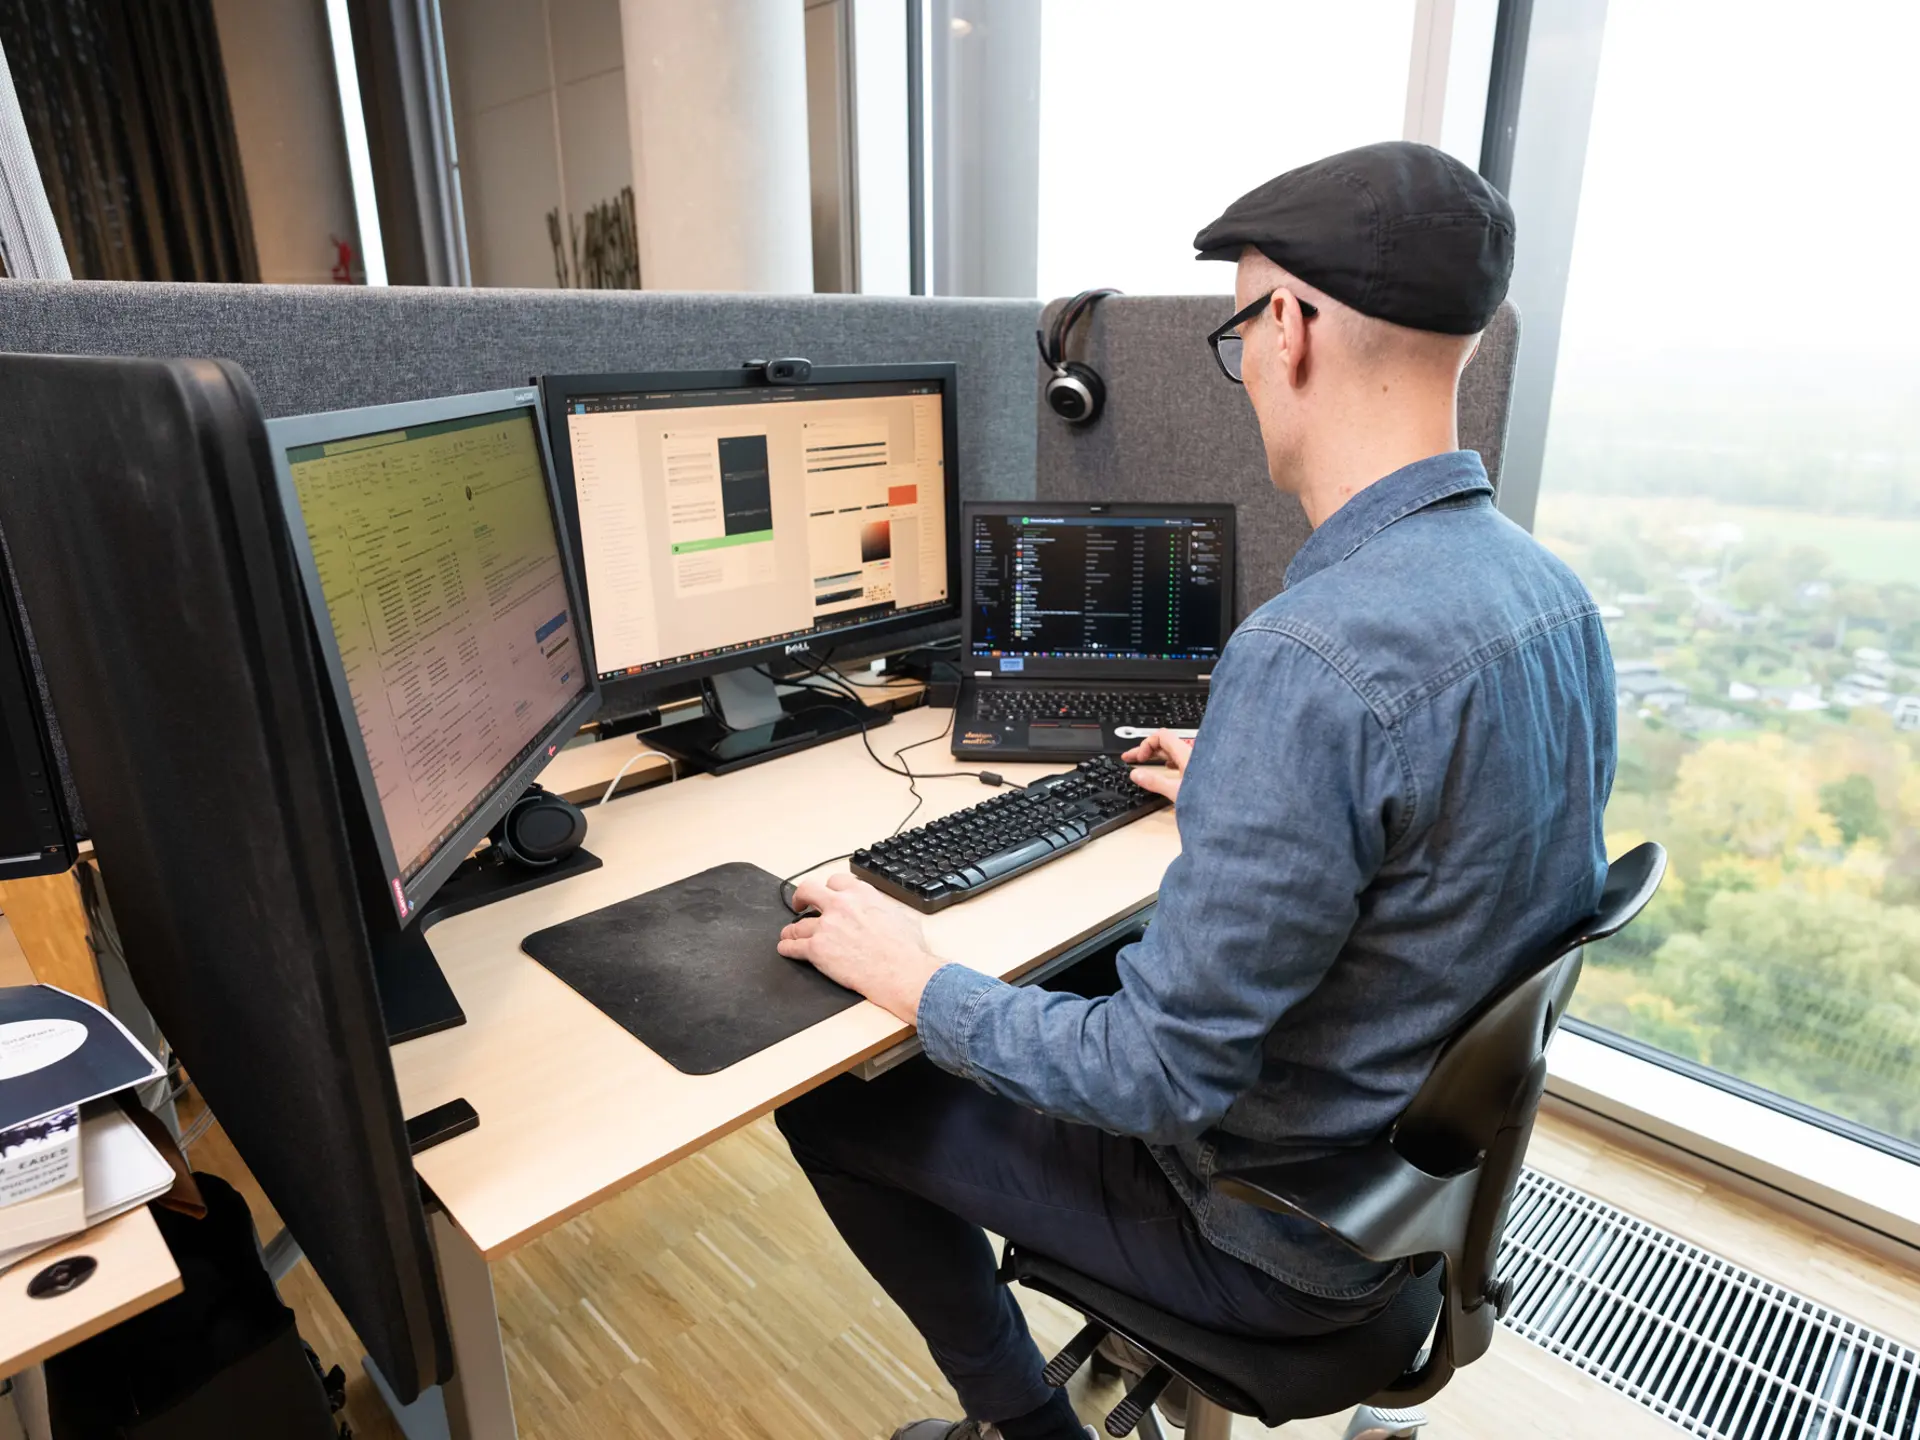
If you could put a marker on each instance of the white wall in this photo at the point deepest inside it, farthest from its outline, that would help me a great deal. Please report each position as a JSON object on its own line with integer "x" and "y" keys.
{"x": 540, "y": 112}
{"x": 286, "y": 114}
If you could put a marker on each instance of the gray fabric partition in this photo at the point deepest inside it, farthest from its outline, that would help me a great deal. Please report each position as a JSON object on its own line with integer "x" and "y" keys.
{"x": 329, "y": 347}
{"x": 1174, "y": 428}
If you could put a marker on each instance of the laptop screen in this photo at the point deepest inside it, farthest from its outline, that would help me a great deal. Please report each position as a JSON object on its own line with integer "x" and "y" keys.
{"x": 1084, "y": 582}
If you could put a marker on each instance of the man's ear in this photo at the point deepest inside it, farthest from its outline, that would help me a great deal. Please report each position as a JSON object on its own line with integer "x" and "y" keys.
{"x": 1292, "y": 343}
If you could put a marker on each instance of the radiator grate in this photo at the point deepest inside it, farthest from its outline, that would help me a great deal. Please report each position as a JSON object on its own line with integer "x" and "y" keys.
{"x": 1718, "y": 1350}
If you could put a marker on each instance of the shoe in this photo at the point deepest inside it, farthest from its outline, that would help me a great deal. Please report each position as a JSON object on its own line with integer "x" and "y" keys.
{"x": 1133, "y": 1362}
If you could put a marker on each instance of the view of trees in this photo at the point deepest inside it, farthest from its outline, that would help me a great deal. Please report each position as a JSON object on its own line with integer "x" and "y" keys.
{"x": 1758, "y": 559}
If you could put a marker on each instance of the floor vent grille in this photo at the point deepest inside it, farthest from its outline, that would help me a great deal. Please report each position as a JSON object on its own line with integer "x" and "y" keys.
{"x": 1716, "y": 1349}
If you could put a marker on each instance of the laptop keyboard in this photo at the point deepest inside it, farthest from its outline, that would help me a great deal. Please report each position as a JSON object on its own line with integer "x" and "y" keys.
{"x": 1149, "y": 709}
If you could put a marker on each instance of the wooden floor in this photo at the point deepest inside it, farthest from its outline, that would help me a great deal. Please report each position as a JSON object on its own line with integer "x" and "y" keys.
{"x": 715, "y": 1300}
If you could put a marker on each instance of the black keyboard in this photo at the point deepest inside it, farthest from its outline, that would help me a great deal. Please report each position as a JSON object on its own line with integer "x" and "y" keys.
{"x": 971, "y": 850}
{"x": 1149, "y": 709}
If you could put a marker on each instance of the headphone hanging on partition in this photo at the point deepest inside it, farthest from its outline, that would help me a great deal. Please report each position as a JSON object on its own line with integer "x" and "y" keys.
{"x": 1074, "y": 391}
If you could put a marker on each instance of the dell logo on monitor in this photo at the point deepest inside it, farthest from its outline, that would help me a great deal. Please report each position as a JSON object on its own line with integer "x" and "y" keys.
{"x": 799, "y": 647}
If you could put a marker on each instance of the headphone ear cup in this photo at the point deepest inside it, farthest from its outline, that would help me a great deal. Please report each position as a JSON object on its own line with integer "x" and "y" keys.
{"x": 541, "y": 829}
{"x": 1076, "y": 393}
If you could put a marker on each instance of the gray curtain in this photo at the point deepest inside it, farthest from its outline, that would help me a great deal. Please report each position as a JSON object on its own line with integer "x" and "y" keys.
{"x": 126, "y": 106}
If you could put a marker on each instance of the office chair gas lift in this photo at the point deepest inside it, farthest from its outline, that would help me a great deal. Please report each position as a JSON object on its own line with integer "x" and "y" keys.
{"x": 1434, "y": 1191}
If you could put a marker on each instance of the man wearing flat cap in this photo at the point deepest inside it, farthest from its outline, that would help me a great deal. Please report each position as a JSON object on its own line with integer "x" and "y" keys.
{"x": 1395, "y": 801}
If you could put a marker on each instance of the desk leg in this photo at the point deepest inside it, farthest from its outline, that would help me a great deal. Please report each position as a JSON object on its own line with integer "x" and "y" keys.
{"x": 475, "y": 1404}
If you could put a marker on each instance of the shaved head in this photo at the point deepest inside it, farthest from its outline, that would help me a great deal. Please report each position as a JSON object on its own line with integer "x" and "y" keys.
{"x": 1343, "y": 385}
{"x": 1368, "y": 342}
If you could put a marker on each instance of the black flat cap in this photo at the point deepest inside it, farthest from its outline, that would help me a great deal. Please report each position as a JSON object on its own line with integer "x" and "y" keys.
{"x": 1399, "y": 231}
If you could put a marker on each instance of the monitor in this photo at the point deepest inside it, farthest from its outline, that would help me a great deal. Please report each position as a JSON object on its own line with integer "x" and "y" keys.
{"x": 430, "y": 538}
{"x": 36, "y": 825}
{"x": 724, "y": 522}
{"x": 1061, "y": 589}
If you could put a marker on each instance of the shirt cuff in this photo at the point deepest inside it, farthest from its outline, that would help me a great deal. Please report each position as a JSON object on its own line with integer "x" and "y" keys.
{"x": 947, "y": 1009}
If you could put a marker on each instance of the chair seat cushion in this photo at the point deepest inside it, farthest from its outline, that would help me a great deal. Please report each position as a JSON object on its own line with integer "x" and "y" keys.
{"x": 1276, "y": 1380}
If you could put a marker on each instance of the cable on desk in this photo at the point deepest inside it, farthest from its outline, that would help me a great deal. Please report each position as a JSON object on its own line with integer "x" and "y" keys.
{"x": 673, "y": 767}
{"x": 986, "y": 777}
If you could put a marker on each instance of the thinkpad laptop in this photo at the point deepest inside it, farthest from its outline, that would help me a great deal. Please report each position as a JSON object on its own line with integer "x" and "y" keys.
{"x": 1088, "y": 627}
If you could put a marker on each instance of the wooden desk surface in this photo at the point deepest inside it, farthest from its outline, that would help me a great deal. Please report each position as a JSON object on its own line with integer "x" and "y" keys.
{"x": 582, "y": 773}
{"x": 136, "y": 1273}
{"x": 136, "y": 1268}
{"x": 573, "y": 1109}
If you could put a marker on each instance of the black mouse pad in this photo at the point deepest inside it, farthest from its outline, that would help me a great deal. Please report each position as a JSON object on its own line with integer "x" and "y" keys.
{"x": 690, "y": 970}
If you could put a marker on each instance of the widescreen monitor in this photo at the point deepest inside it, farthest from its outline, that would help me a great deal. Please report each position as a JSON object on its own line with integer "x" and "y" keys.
{"x": 723, "y": 520}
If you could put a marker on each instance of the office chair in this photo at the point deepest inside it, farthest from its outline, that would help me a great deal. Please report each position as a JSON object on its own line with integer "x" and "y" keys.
{"x": 1433, "y": 1191}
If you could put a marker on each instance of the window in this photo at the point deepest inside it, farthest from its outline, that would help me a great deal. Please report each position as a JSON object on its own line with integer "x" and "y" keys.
{"x": 1733, "y": 465}
{"x": 1152, "y": 119}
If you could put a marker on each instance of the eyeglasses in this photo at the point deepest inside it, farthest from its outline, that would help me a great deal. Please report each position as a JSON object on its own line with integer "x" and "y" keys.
{"x": 1227, "y": 342}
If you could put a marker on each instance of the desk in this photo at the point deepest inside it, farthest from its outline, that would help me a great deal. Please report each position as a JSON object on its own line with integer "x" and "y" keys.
{"x": 574, "y": 1110}
{"x": 136, "y": 1273}
{"x": 136, "y": 1268}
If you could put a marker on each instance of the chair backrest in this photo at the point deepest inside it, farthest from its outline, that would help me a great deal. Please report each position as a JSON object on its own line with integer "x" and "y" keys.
{"x": 1173, "y": 428}
{"x": 1479, "y": 1102}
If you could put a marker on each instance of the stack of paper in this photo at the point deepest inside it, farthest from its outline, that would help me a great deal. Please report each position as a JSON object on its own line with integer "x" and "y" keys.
{"x": 62, "y": 1167}
{"x": 40, "y": 1193}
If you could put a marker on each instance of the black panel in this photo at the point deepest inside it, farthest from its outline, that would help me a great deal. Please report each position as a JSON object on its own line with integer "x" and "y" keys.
{"x": 155, "y": 559}
{"x": 36, "y": 833}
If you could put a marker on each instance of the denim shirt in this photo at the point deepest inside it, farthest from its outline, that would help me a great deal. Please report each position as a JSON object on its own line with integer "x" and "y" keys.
{"x": 1393, "y": 804}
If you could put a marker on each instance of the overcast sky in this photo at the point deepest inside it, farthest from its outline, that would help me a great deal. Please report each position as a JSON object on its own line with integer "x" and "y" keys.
{"x": 1752, "y": 181}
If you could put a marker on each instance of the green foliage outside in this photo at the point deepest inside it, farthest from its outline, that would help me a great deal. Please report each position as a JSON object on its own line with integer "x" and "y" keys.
{"x": 1769, "y": 660}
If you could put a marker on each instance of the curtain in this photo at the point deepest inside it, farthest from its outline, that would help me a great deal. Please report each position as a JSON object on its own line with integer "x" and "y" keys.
{"x": 126, "y": 107}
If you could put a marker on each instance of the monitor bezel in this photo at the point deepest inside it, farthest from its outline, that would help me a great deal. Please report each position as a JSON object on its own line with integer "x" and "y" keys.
{"x": 558, "y": 391}
{"x": 1097, "y": 666}
{"x": 290, "y": 432}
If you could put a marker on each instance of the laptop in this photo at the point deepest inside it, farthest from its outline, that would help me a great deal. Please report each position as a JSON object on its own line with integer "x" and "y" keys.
{"x": 1088, "y": 626}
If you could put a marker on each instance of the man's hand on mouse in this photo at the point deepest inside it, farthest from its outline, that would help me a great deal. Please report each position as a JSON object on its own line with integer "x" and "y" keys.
{"x": 1161, "y": 779}
{"x": 863, "y": 940}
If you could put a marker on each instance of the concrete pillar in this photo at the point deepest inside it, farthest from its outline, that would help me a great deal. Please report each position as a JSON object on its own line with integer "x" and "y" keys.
{"x": 717, "y": 107}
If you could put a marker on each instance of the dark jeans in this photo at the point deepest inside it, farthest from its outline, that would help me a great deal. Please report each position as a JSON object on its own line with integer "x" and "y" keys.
{"x": 912, "y": 1165}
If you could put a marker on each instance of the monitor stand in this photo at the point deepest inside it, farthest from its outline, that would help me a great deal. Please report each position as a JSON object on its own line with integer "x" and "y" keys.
{"x": 754, "y": 722}
{"x": 415, "y": 998}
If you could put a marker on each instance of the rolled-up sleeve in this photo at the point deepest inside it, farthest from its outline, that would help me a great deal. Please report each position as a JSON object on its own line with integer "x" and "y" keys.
{"x": 1284, "y": 817}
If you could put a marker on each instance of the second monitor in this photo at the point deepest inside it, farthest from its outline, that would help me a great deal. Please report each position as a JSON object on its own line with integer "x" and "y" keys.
{"x": 724, "y": 523}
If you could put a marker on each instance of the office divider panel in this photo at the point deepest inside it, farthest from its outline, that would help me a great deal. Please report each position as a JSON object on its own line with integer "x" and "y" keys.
{"x": 319, "y": 347}
{"x": 156, "y": 563}
{"x": 1174, "y": 428}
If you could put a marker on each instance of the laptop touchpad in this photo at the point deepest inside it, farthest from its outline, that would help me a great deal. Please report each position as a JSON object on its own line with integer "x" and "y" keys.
{"x": 1064, "y": 737}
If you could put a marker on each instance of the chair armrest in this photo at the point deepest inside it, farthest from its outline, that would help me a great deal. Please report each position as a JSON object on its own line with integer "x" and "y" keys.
{"x": 1372, "y": 1198}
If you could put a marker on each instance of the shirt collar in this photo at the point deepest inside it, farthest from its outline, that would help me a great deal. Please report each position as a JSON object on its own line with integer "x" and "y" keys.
{"x": 1393, "y": 497}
